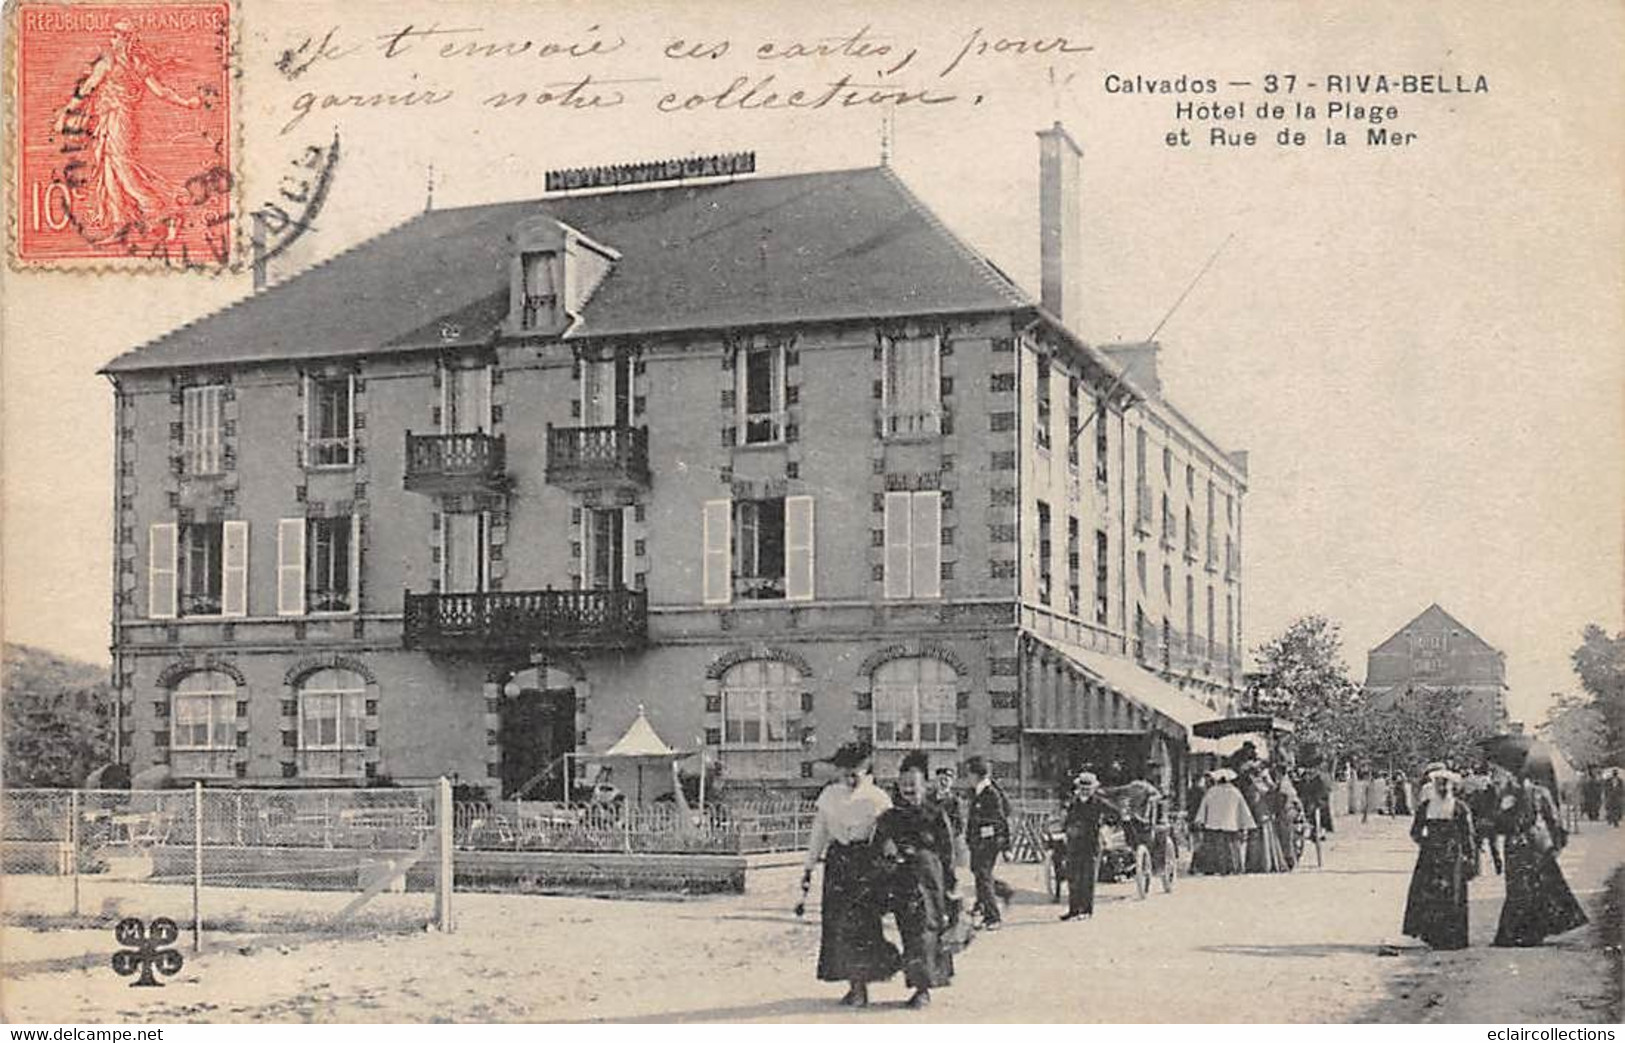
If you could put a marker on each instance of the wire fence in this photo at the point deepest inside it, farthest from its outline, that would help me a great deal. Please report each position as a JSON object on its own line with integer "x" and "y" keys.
{"x": 350, "y": 859}
{"x": 752, "y": 827}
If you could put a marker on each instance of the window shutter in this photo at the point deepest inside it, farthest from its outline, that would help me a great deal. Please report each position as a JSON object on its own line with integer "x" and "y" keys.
{"x": 933, "y": 386}
{"x": 355, "y": 552}
{"x": 161, "y": 552}
{"x": 798, "y": 548}
{"x": 717, "y": 581}
{"x": 927, "y": 544}
{"x": 898, "y": 526}
{"x": 628, "y": 566}
{"x": 191, "y": 429}
{"x": 290, "y": 567}
{"x": 209, "y": 428}
{"x": 349, "y": 419}
{"x": 234, "y": 568}
{"x": 446, "y": 375}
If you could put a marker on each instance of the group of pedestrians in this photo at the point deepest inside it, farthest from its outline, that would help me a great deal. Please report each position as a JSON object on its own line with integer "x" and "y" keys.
{"x": 1248, "y": 814}
{"x": 1602, "y": 792}
{"x": 1519, "y": 811}
{"x": 898, "y": 855}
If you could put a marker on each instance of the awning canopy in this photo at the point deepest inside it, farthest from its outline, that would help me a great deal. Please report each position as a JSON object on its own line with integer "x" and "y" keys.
{"x": 1071, "y": 690}
{"x": 641, "y": 740}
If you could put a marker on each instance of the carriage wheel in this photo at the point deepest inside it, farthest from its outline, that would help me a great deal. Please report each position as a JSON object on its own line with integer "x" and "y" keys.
{"x": 1170, "y": 864}
{"x": 1142, "y": 872}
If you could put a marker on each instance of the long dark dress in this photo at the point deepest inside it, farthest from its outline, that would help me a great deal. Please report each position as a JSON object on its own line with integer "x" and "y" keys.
{"x": 852, "y": 944}
{"x": 1264, "y": 854}
{"x": 916, "y": 846}
{"x": 1613, "y": 799}
{"x": 1538, "y": 903}
{"x": 1436, "y": 907}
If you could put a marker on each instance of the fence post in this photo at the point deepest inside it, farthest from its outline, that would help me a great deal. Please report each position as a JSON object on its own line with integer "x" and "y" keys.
{"x": 443, "y": 854}
{"x": 197, "y": 867}
{"x": 73, "y": 844}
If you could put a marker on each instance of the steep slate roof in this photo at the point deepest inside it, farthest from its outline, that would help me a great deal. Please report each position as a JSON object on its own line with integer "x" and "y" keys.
{"x": 1439, "y": 620}
{"x": 801, "y": 247}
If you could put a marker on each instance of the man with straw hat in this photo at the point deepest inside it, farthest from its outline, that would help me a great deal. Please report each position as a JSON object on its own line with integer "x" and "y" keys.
{"x": 1086, "y": 813}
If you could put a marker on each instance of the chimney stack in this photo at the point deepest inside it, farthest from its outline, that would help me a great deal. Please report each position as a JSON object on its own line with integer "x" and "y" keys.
{"x": 1060, "y": 225}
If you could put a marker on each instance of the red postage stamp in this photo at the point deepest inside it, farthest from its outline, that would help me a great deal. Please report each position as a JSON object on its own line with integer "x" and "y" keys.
{"x": 123, "y": 146}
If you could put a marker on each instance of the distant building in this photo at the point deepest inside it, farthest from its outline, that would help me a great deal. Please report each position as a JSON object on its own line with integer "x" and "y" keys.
{"x": 1435, "y": 651}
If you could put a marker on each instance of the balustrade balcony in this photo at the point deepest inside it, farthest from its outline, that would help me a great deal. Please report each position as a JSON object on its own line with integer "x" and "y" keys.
{"x": 468, "y": 462}
{"x": 587, "y": 458}
{"x": 526, "y": 620}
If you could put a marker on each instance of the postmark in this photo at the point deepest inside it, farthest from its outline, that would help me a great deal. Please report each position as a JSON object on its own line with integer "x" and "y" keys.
{"x": 123, "y": 146}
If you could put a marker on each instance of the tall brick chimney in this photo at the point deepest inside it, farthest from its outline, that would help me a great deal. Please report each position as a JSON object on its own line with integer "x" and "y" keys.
{"x": 1060, "y": 225}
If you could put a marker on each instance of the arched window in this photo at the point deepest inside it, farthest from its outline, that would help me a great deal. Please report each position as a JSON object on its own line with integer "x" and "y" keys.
{"x": 332, "y": 723}
{"x": 914, "y": 702}
{"x": 203, "y": 724}
{"x": 761, "y": 704}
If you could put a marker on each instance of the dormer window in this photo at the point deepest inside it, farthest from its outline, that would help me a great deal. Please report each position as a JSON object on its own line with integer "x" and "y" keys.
{"x": 554, "y": 271}
{"x": 539, "y": 305}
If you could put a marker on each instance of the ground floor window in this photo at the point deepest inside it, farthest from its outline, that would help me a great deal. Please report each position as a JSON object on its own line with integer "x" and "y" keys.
{"x": 332, "y": 723}
{"x": 203, "y": 725}
{"x": 761, "y": 704}
{"x": 914, "y": 703}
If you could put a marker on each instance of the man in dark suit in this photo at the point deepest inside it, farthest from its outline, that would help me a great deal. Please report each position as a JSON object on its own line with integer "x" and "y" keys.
{"x": 987, "y": 831}
{"x": 1086, "y": 813}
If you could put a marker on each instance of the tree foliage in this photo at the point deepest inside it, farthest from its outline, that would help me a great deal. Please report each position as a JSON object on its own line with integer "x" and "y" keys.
{"x": 58, "y": 719}
{"x": 1302, "y": 678}
{"x": 1409, "y": 730}
{"x": 1600, "y": 664}
{"x": 1577, "y": 727}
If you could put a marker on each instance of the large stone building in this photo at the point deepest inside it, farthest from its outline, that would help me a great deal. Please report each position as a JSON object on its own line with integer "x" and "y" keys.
{"x": 1435, "y": 651}
{"x": 779, "y": 459}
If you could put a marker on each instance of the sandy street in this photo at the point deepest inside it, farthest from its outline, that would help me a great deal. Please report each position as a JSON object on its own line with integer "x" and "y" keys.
{"x": 1315, "y": 945}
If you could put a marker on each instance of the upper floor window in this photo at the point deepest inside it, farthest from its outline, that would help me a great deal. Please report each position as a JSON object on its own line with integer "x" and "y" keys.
{"x": 318, "y": 565}
{"x": 757, "y": 549}
{"x": 759, "y": 373}
{"x": 1044, "y": 552}
{"x": 1102, "y": 445}
{"x": 1041, "y": 430}
{"x": 914, "y": 703}
{"x": 202, "y": 423}
{"x": 607, "y": 391}
{"x": 1102, "y": 575}
{"x": 1167, "y": 466}
{"x": 332, "y": 723}
{"x": 330, "y": 421}
{"x": 605, "y": 561}
{"x": 1074, "y": 567}
{"x": 911, "y": 386}
{"x": 761, "y": 704}
{"x": 197, "y": 569}
{"x": 1190, "y": 481}
{"x": 913, "y": 545}
{"x": 203, "y": 712}
{"x": 539, "y": 305}
{"x": 1074, "y": 423}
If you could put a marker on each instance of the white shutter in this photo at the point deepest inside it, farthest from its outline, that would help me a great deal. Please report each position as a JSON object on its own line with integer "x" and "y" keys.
{"x": 161, "y": 553}
{"x": 290, "y": 567}
{"x": 927, "y": 544}
{"x": 209, "y": 429}
{"x": 355, "y": 557}
{"x": 447, "y": 421}
{"x": 717, "y": 581}
{"x": 234, "y": 568}
{"x": 191, "y": 429}
{"x": 628, "y": 566}
{"x": 931, "y": 423}
{"x": 798, "y": 548}
{"x": 898, "y": 525}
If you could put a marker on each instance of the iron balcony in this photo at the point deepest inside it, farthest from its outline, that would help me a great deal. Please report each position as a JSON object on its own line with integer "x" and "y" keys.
{"x": 526, "y": 620}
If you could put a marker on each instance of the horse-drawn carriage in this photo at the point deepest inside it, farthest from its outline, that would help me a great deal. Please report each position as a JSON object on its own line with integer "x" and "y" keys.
{"x": 1143, "y": 848}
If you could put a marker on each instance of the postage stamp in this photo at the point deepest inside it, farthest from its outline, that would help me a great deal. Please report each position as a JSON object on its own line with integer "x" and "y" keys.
{"x": 123, "y": 150}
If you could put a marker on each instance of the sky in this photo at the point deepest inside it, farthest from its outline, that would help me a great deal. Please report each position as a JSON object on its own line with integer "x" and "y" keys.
{"x": 1419, "y": 345}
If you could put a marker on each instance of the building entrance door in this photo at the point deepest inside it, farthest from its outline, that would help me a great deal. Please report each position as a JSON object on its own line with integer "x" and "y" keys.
{"x": 538, "y": 729}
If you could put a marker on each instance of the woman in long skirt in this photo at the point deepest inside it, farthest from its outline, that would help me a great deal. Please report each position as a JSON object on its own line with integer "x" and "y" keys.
{"x": 1436, "y": 907}
{"x": 1224, "y": 820}
{"x": 915, "y": 842}
{"x": 852, "y": 946}
{"x": 1538, "y": 902}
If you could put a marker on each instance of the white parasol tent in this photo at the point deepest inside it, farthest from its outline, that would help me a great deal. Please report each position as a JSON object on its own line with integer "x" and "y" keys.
{"x": 643, "y": 746}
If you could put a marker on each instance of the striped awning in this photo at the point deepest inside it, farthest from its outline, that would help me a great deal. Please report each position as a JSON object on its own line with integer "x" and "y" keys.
{"x": 1072, "y": 692}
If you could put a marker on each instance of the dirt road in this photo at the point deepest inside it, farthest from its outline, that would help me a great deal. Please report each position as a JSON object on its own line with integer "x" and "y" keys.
{"x": 1316, "y": 945}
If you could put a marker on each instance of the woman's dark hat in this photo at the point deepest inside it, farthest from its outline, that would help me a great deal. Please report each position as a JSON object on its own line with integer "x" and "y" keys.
{"x": 851, "y": 755}
{"x": 916, "y": 760}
